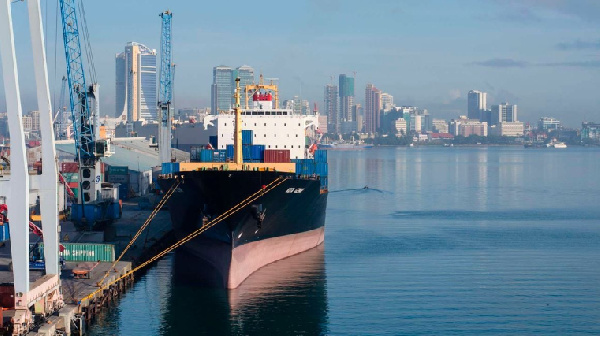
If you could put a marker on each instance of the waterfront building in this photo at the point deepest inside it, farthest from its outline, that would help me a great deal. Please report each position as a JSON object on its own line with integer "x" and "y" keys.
{"x": 322, "y": 123}
{"x": 503, "y": 113}
{"x": 548, "y": 124}
{"x": 440, "y": 126}
{"x": 35, "y": 120}
{"x": 400, "y": 125}
{"x": 221, "y": 89}
{"x": 476, "y": 104}
{"x": 357, "y": 115}
{"x": 135, "y": 85}
{"x": 464, "y": 126}
{"x": 346, "y": 93}
{"x": 331, "y": 108}
{"x": 372, "y": 108}
{"x": 510, "y": 129}
{"x": 387, "y": 101}
{"x": 590, "y": 132}
{"x": 27, "y": 124}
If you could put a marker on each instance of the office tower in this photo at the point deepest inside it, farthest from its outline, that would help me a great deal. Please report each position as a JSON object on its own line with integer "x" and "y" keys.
{"x": 120, "y": 84}
{"x": 331, "y": 108}
{"x": 476, "y": 104}
{"x": 346, "y": 97}
{"x": 135, "y": 86}
{"x": 372, "y": 111}
{"x": 222, "y": 89}
{"x": 387, "y": 101}
{"x": 503, "y": 113}
{"x": 246, "y": 75}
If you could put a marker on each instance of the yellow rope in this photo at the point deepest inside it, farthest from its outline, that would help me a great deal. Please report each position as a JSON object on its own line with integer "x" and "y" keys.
{"x": 197, "y": 232}
{"x": 159, "y": 206}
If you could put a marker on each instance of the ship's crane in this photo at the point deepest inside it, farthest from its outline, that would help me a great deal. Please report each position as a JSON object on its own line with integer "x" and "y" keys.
{"x": 88, "y": 149}
{"x": 165, "y": 90}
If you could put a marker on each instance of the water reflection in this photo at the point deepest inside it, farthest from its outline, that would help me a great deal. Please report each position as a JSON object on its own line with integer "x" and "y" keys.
{"x": 287, "y": 297}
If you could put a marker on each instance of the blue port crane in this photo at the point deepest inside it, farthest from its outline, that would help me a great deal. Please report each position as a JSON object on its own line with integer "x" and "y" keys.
{"x": 165, "y": 90}
{"x": 88, "y": 149}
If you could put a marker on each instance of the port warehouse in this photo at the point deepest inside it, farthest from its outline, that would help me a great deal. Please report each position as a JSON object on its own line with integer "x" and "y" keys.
{"x": 133, "y": 164}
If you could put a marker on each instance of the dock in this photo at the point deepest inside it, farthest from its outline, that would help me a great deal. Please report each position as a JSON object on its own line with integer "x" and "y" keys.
{"x": 79, "y": 312}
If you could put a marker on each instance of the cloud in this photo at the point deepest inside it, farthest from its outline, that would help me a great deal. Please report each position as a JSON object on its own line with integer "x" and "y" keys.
{"x": 501, "y": 63}
{"x": 579, "y": 44}
{"x": 585, "y": 10}
{"x": 578, "y": 64}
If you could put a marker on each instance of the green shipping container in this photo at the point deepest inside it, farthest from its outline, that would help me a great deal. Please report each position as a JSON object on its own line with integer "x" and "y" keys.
{"x": 115, "y": 170}
{"x": 88, "y": 252}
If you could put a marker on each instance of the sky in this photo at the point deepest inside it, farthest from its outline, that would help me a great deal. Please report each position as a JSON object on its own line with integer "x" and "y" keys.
{"x": 542, "y": 55}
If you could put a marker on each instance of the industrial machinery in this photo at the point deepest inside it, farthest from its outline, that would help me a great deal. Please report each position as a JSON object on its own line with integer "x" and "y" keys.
{"x": 92, "y": 207}
{"x": 165, "y": 90}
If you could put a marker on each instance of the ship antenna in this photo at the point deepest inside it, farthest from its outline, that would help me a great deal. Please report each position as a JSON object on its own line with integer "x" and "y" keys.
{"x": 237, "y": 140}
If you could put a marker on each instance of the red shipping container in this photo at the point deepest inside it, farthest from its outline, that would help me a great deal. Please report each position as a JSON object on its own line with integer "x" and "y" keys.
{"x": 7, "y": 296}
{"x": 277, "y": 156}
{"x": 69, "y": 167}
{"x": 73, "y": 185}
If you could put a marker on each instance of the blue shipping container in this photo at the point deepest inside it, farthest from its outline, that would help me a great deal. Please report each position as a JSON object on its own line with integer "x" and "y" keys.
{"x": 219, "y": 156}
{"x": 247, "y": 137}
{"x": 169, "y": 168}
{"x": 258, "y": 152}
{"x": 4, "y": 232}
{"x": 321, "y": 169}
{"x": 206, "y": 155}
{"x": 247, "y": 152}
{"x": 230, "y": 151}
{"x": 324, "y": 183}
{"x": 321, "y": 156}
{"x": 213, "y": 140}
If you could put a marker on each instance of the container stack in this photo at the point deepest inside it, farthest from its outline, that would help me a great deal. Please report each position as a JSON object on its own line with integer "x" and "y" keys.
{"x": 277, "y": 156}
{"x": 119, "y": 174}
{"x": 70, "y": 172}
{"x": 316, "y": 167}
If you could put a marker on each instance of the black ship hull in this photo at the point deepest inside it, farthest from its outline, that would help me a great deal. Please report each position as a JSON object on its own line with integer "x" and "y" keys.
{"x": 283, "y": 222}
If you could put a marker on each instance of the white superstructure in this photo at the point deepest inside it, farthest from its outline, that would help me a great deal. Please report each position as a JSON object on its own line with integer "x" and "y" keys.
{"x": 275, "y": 128}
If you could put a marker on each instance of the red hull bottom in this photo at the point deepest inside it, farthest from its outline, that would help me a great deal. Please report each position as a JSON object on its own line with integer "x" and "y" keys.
{"x": 248, "y": 258}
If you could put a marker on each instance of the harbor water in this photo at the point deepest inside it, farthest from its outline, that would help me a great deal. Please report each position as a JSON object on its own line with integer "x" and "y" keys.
{"x": 419, "y": 241}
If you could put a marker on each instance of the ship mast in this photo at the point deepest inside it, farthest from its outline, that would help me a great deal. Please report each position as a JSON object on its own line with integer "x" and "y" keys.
{"x": 237, "y": 139}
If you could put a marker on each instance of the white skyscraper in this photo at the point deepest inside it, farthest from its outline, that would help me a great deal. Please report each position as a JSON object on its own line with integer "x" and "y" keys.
{"x": 135, "y": 86}
{"x": 503, "y": 113}
{"x": 477, "y": 104}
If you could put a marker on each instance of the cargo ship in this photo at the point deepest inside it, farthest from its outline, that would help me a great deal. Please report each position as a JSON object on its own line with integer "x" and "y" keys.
{"x": 253, "y": 148}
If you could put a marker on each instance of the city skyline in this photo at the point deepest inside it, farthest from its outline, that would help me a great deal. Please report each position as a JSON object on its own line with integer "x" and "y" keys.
{"x": 427, "y": 54}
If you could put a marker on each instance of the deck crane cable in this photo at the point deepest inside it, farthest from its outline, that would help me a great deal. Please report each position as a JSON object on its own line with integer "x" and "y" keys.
{"x": 86, "y": 39}
{"x": 159, "y": 206}
{"x": 264, "y": 190}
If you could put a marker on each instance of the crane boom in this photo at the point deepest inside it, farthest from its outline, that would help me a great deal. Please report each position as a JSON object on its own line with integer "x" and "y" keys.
{"x": 165, "y": 91}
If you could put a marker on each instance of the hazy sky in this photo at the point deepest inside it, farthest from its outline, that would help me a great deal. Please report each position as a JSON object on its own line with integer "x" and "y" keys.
{"x": 540, "y": 54}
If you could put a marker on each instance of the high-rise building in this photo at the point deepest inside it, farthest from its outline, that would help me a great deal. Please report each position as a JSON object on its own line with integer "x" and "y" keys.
{"x": 120, "y": 84}
{"x": 222, "y": 89}
{"x": 135, "y": 86}
{"x": 346, "y": 97}
{"x": 548, "y": 124}
{"x": 387, "y": 101}
{"x": 246, "y": 75}
{"x": 35, "y": 120}
{"x": 331, "y": 108}
{"x": 503, "y": 113}
{"x": 372, "y": 109}
{"x": 476, "y": 104}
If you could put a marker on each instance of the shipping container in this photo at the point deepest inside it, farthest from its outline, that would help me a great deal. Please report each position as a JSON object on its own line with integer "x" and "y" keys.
{"x": 247, "y": 152}
{"x": 277, "y": 156}
{"x": 206, "y": 155}
{"x": 118, "y": 170}
{"x": 324, "y": 182}
{"x": 4, "y": 232}
{"x": 7, "y": 295}
{"x": 86, "y": 252}
{"x": 258, "y": 152}
{"x": 73, "y": 184}
{"x": 321, "y": 169}
{"x": 219, "y": 156}
{"x": 247, "y": 137}
{"x": 230, "y": 151}
{"x": 69, "y": 167}
{"x": 114, "y": 178}
{"x": 321, "y": 156}
{"x": 167, "y": 168}
{"x": 195, "y": 153}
